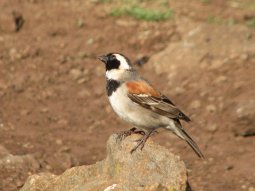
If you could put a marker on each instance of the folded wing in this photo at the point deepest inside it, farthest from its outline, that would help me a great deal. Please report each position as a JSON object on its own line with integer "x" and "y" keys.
{"x": 145, "y": 95}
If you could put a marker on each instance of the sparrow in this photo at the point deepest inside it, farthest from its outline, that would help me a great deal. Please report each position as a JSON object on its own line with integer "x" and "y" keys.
{"x": 137, "y": 102}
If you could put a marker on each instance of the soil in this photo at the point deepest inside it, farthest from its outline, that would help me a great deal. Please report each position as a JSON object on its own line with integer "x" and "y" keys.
{"x": 52, "y": 89}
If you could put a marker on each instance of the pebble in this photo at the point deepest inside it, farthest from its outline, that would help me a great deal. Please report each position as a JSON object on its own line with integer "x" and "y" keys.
{"x": 211, "y": 108}
{"x": 244, "y": 57}
{"x": 125, "y": 23}
{"x": 228, "y": 167}
{"x": 212, "y": 127}
{"x": 80, "y": 23}
{"x": 179, "y": 90}
{"x": 24, "y": 112}
{"x": 195, "y": 104}
{"x": 59, "y": 141}
{"x": 18, "y": 88}
{"x": 90, "y": 41}
{"x": 44, "y": 110}
{"x": 82, "y": 80}
{"x": 221, "y": 79}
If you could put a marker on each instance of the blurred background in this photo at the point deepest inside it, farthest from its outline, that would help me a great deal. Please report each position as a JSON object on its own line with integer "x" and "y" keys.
{"x": 54, "y": 113}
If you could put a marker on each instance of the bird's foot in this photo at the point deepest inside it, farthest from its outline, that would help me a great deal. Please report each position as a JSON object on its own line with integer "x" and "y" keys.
{"x": 143, "y": 140}
{"x": 122, "y": 135}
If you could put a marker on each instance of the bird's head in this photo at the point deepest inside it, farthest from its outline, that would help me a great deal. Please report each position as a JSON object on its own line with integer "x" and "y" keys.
{"x": 116, "y": 65}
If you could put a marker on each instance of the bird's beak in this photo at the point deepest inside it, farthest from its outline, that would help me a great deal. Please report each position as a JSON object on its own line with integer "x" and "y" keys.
{"x": 102, "y": 58}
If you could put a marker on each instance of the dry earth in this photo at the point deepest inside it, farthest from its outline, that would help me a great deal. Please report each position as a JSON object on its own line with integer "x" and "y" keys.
{"x": 54, "y": 113}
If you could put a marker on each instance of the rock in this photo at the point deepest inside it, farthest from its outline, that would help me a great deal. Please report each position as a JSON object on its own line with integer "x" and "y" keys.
{"x": 38, "y": 181}
{"x": 211, "y": 108}
{"x": 152, "y": 169}
{"x": 195, "y": 104}
{"x": 244, "y": 119}
{"x": 80, "y": 23}
{"x": 221, "y": 79}
{"x": 212, "y": 127}
{"x": 15, "y": 169}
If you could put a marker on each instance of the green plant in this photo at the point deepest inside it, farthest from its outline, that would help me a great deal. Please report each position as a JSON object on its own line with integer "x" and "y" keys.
{"x": 251, "y": 23}
{"x": 141, "y": 13}
{"x": 148, "y": 10}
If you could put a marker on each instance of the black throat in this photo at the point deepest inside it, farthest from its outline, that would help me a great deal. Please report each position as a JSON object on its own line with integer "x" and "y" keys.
{"x": 111, "y": 86}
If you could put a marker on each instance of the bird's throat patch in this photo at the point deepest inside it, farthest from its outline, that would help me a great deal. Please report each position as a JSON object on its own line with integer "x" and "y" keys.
{"x": 111, "y": 86}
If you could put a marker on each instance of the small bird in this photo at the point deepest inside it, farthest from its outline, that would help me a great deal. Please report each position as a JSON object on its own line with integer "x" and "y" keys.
{"x": 136, "y": 101}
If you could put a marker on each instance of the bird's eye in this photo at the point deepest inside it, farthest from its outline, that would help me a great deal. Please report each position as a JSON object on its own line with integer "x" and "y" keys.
{"x": 112, "y": 57}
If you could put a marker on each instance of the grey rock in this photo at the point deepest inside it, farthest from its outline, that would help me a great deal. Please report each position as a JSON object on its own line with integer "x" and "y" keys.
{"x": 153, "y": 168}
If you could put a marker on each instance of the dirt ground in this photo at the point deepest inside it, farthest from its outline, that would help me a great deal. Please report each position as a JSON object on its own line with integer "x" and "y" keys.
{"x": 53, "y": 103}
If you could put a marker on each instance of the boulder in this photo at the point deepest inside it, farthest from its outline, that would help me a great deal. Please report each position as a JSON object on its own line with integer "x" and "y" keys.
{"x": 153, "y": 169}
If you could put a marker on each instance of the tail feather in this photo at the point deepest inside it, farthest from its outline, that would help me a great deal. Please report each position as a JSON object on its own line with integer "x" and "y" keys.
{"x": 193, "y": 145}
{"x": 180, "y": 132}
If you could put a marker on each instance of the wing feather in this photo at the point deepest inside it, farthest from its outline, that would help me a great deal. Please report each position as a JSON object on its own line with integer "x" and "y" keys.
{"x": 160, "y": 105}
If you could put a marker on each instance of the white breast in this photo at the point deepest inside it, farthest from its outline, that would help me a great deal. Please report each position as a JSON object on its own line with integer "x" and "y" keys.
{"x": 134, "y": 113}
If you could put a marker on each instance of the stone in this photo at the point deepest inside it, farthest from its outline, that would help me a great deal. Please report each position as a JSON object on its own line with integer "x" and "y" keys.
{"x": 212, "y": 127}
{"x": 152, "y": 169}
{"x": 244, "y": 122}
{"x": 14, "y": 169}
{"x": 211, "y": 108}
{"x": 195, "y": 104}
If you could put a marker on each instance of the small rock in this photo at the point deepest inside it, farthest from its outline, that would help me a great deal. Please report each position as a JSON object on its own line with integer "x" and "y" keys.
{"x": 19, "y": 88}
{"x": 76, "y": 74}
{"x": 229, "y": 167}
{"x": 126, "y": 23}
{"x": 63, "y": 122}
{"x": 211, "y": 108}
{"x": 244, "y": 57}
{"x": 179, "y": 90}
{"x": 244, "y": 186}
{"x": 24, "y": 112}
{"x": 14, "y": 54}
{"x": 221, "y": 79}
{"x": 244, "y": 123}
{"x": 90, "y": 41}
{"x": 59, "y": 141}
{"x": 80, "y": 23}
{"x": 82, "y": 80}
{"x": 212, "y": 127}
{"x": 44, "y": 110}
{"x": 195, "y": 104}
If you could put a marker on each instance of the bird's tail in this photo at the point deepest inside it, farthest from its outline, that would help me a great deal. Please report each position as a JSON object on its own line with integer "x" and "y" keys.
{"x": 180, "y": 132}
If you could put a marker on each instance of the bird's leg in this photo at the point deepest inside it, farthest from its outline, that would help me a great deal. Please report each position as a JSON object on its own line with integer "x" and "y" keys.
{"x": 143, "y": 140}
{"x": 124, "y": 134}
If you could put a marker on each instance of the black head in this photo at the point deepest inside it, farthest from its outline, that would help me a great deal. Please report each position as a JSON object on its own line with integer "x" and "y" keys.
{"x": 115, "y": 61}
